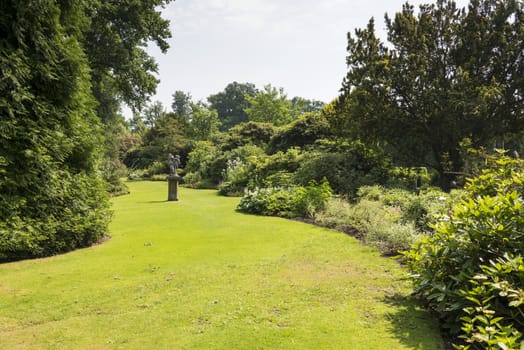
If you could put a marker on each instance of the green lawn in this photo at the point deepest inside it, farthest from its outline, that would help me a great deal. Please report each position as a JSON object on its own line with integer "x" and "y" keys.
{"x": 195, "y": 274}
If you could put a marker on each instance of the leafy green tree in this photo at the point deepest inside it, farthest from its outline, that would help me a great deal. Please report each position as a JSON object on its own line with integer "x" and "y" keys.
{"x": 53, "y": 199}
{"x": 258, "y": 134}
{"x": 269, "y": 106}
{"x": 445, "y": 75}
{"x": 136, "y": 124}
{"x": 152, "y": 113}
{"x": 198, "y": 168}
{"x": 168, "y": 135}
{"x": 300, "y": 105}
{"x": 204, "y": 123}
{"x": 114, "y": 36}
{"x": 304, "y": 131}
{"x": 231, "y": 104}
{"x": 181, "y": 105}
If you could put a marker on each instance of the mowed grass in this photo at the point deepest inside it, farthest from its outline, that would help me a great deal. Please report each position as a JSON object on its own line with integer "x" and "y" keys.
{"x": 195, "y": 274}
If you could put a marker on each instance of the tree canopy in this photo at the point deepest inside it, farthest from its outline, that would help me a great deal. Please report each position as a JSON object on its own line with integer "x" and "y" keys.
{"x": 444, "y": 75}
{"x": 64, "y": 68}
{"x": 231, "y": 104}
{"x": 269, "y": 106}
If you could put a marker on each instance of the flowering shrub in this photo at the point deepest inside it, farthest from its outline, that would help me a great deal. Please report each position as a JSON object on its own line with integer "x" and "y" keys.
{"x": 286, "y": 201}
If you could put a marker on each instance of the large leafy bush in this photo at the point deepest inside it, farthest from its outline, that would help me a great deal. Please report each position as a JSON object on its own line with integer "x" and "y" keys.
{"x": 52, "y": 196}
{"x": 470, "y": 270}
{"x": 347, "y": 167}
{"x": 299, "y": 201}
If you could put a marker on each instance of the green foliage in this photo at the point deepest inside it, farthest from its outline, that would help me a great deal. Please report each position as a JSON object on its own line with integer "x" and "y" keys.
{"x": 381, "y": 226}
{"x": 231, "y": 104}
{"x": 182, "y": 105}
{"x": 114, "y": 36}
{"x": 302, "y": 132}
{"x": 389, "y": 219}
{"x": 269, "y": 106}
{"x": 198, "y": 166}
{"x": 409, "y": 178}
{"x": 439, "y": 79}
{"x": 53, "y": 197}
{"x": 253, "y": 133}
{"x": 240, "y": 171}
{"x": 204, "y": 123}
{"x": 312, "y": 198}
{"x": 503, "y": 176}
{"x": 281, "y": 162}
{"x": 483, "y": 326}
{"x": 472, "y": 263}
{"x": 347, "y": 169}
{"x": 421, "y": 209}
{"x": 300, "y": 106}
{"x": 168, "y": 135}
{"x": 287, "y": 202}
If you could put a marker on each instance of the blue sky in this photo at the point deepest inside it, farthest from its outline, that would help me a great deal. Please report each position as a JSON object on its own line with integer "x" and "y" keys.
{"x": 299, "y": 45}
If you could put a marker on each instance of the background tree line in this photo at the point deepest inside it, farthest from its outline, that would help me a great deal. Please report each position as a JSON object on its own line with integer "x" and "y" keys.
{"x": 155, "y": 132}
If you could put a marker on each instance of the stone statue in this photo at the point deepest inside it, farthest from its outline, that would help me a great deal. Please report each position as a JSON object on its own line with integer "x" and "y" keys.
{"x": 173, "y": 162}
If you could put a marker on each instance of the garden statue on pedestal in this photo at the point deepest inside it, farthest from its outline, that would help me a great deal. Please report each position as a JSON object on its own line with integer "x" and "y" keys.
{"x": 173, "y": 178}
{"x": 173, "y": 162}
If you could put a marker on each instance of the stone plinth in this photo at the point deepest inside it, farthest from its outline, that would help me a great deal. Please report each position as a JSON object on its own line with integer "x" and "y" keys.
{"x": 172, "y": 194}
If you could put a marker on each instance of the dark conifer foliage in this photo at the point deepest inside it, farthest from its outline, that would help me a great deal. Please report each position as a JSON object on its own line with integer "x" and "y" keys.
{"x": 444, "y": 75}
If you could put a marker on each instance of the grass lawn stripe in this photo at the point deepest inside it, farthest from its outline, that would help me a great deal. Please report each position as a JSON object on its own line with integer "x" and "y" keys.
{"x": 195, "y": 274}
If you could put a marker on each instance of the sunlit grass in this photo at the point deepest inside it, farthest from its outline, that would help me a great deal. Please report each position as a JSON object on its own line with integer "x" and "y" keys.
{"x": 195, "y": 274}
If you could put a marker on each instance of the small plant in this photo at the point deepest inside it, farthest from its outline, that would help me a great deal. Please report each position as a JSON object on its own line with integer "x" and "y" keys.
{"x": 380, "y": 226}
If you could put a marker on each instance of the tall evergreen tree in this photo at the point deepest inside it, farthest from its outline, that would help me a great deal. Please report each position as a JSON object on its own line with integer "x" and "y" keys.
{"x": 445, "y": 75}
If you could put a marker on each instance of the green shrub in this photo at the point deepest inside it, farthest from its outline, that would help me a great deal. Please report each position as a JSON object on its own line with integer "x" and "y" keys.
{"x": 373, "y": 193}
{"x": 279, "y": 179}
{"x": 73, "y": 213}
{"x": 198, "y": 167}
{"x": 236, "y": 178}
{"x": 380, "y": 226}
{"x": 423, "y": 208}
{"x": 241, "y": 170}
{"x": 158, "y": 177}
{"x": 470, "y": 270}
{"x": 410, "y": 178}
{"x": 156, "y": 168}
{"x": 313, "y": 198}
{"x": 347, "y": 169}
{"x": 337, "y": 214}
{"x": 269, "y": 201}
{"x": 287, "y": 202}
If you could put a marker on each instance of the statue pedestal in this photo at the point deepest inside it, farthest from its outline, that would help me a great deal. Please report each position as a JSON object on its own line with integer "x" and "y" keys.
{"x": 172, "y": 194}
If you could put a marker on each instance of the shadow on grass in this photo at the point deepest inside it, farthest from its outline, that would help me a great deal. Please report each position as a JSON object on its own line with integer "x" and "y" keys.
{"x": 154, "y": 202}
{"x": 413, "y": 325}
